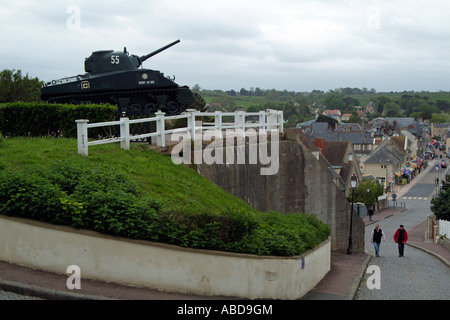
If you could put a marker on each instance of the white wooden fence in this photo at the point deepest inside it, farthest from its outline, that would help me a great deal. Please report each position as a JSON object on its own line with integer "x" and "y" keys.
{"x": 267, "y": 120}
{"x": 444, "y": 228}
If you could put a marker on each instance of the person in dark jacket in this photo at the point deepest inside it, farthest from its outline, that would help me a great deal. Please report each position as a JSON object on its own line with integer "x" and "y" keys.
{"x": 400, "y": 237}
{"x": 370, "y": 213}
{"x": 377, "y": 235}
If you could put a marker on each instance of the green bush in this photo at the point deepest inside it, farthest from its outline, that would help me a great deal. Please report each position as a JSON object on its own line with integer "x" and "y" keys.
{"x": 225, "y": 231}
{"x": 2, "y": 165}
{"x": 29, "y": 195}
{"x": 39, "y": 119}
{"x": 65, "y": 194}
{"x": 440, "y": 205}
{"x": 287, "y": 234}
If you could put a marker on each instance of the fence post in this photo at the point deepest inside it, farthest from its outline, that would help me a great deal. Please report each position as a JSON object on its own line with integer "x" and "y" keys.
{"x": 281, "y": 121}
{"x": 82, "y": 136}
{"x": 191, "y": 122}
{"x": 160, "y": 128}
{"x": 262, "y": 121}
{"x": 239, "y": 121}
{"x": 272, "y": 119}
{"x": 125, "y": 133}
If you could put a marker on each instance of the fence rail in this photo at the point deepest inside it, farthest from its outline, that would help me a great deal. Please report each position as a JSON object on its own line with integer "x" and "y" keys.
{"x": 444, "y": 228}
{"x": 267, "y": 120}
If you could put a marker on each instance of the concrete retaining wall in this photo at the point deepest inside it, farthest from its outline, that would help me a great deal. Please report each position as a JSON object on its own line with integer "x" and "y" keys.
{"x": 170, "y": 268}
{"x": 302, "y": 184}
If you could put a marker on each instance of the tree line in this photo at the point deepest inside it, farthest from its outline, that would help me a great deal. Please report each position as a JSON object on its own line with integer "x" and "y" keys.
{"x": 302, "y": 106}
{"x": 16, "y": 87}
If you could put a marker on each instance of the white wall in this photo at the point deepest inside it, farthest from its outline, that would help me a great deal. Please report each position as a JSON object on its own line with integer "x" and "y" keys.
{"x": 159, "y": 266}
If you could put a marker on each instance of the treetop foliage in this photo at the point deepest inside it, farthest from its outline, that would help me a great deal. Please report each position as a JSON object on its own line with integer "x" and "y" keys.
{"x": 16, "y": 87}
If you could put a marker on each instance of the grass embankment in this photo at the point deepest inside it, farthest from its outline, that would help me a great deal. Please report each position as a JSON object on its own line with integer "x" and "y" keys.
{"x": 140, "y": 194}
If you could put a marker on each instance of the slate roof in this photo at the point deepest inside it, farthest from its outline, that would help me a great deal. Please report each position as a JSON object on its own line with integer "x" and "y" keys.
{"x": 349, "y": 127}
{"x": 386, "y": 153}
{"x": 299, "y": 134}
{"x": 334, "y": 152}
{"x": 318, "y": 127}
{"x": 401, "y": 122}
{"x": 353, "y": 137}
{"x": 306, "y": 123}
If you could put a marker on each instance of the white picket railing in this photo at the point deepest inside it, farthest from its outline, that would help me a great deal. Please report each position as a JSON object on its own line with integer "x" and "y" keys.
{"x": 444, "y": 228}
{"x": 267, "y": 120}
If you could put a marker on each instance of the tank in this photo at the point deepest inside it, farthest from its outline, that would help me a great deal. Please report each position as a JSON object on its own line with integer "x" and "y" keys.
{"x": 116, "y": 77}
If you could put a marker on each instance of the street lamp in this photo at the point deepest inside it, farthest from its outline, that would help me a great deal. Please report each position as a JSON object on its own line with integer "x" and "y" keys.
{"x": 353, "y": 182}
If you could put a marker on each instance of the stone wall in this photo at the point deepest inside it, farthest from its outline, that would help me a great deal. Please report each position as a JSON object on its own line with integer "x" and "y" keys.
{"x": 159, "y": 266}
{"x": 302, "y": 184}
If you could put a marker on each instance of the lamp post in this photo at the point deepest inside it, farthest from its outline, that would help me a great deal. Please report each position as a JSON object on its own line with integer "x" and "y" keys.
{"x": 353, "y": 181}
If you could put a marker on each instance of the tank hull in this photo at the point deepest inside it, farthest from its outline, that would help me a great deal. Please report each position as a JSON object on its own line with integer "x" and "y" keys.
{"x": 135, "y": 92}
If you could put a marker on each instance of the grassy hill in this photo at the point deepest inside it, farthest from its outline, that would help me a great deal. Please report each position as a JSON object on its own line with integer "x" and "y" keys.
{"x": 179, "y": 188}
{"x": 141, "y": 194}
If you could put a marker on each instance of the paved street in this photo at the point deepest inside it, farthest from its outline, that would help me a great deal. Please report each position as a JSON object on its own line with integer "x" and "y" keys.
{"x": 416, "y": 276}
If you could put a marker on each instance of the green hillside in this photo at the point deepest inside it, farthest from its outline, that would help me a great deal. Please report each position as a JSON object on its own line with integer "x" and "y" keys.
{"x": 141, "y": 194}
{"x": 179, "y": 188}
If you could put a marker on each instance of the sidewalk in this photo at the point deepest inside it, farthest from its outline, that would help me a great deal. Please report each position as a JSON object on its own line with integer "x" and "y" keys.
{"x": 51, "y": 286}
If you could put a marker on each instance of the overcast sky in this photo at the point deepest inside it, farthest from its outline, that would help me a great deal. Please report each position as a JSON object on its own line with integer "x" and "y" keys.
{"x": 389, "y": 45}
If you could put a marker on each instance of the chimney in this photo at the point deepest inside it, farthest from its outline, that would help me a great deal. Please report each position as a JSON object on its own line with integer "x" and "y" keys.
{"x": 320, "y": 143}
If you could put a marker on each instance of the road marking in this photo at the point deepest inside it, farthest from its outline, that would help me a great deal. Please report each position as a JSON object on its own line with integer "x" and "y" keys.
{"x": 414, "y": 198}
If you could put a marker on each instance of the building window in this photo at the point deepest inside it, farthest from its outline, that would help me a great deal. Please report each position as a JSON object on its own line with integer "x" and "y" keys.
{"x": 381, "y": 180}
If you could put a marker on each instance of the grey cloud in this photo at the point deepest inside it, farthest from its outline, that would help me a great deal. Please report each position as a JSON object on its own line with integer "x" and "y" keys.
{"x": 233, "y": 44}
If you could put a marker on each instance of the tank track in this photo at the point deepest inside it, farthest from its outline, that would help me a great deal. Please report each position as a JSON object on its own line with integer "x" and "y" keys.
{"x": 172, "y": 101}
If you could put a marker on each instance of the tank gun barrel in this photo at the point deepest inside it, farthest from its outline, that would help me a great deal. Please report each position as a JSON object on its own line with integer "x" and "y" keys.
{"x": 145, "y": 57}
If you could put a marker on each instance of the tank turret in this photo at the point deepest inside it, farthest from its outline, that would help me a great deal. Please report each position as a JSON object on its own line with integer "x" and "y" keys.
{"x": 117, "y": 77}
{"x": 111, "y": 61}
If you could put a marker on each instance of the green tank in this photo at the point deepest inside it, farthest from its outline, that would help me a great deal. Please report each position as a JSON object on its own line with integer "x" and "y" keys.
{"x": 116, "y": 77}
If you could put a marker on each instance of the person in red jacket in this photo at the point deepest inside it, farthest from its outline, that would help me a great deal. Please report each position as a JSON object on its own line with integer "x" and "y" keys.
{"x": 400, "y": 237}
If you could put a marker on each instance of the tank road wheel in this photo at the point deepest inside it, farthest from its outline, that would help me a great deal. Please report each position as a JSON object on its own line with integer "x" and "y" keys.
{"x": 150, "y": 108}
{"x": 185, "y": 98}
{"x": 135, "y": 109}
{"x": 172, "y": 108}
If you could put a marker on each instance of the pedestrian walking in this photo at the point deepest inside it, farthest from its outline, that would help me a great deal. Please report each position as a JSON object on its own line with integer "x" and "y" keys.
{"x": 370, "y": 213}
{"x": 400, "y": 237}
{"x": 377, "y": 235}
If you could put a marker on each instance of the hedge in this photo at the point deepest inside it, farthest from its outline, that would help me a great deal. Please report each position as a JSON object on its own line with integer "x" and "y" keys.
{"x": 58, "y": 120}
{"x": 104, "y": 200}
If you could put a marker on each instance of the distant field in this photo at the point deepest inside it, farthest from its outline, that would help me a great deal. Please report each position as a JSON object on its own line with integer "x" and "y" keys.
{"x": 364, "y": 99}
{"x": 396, "y": 96}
